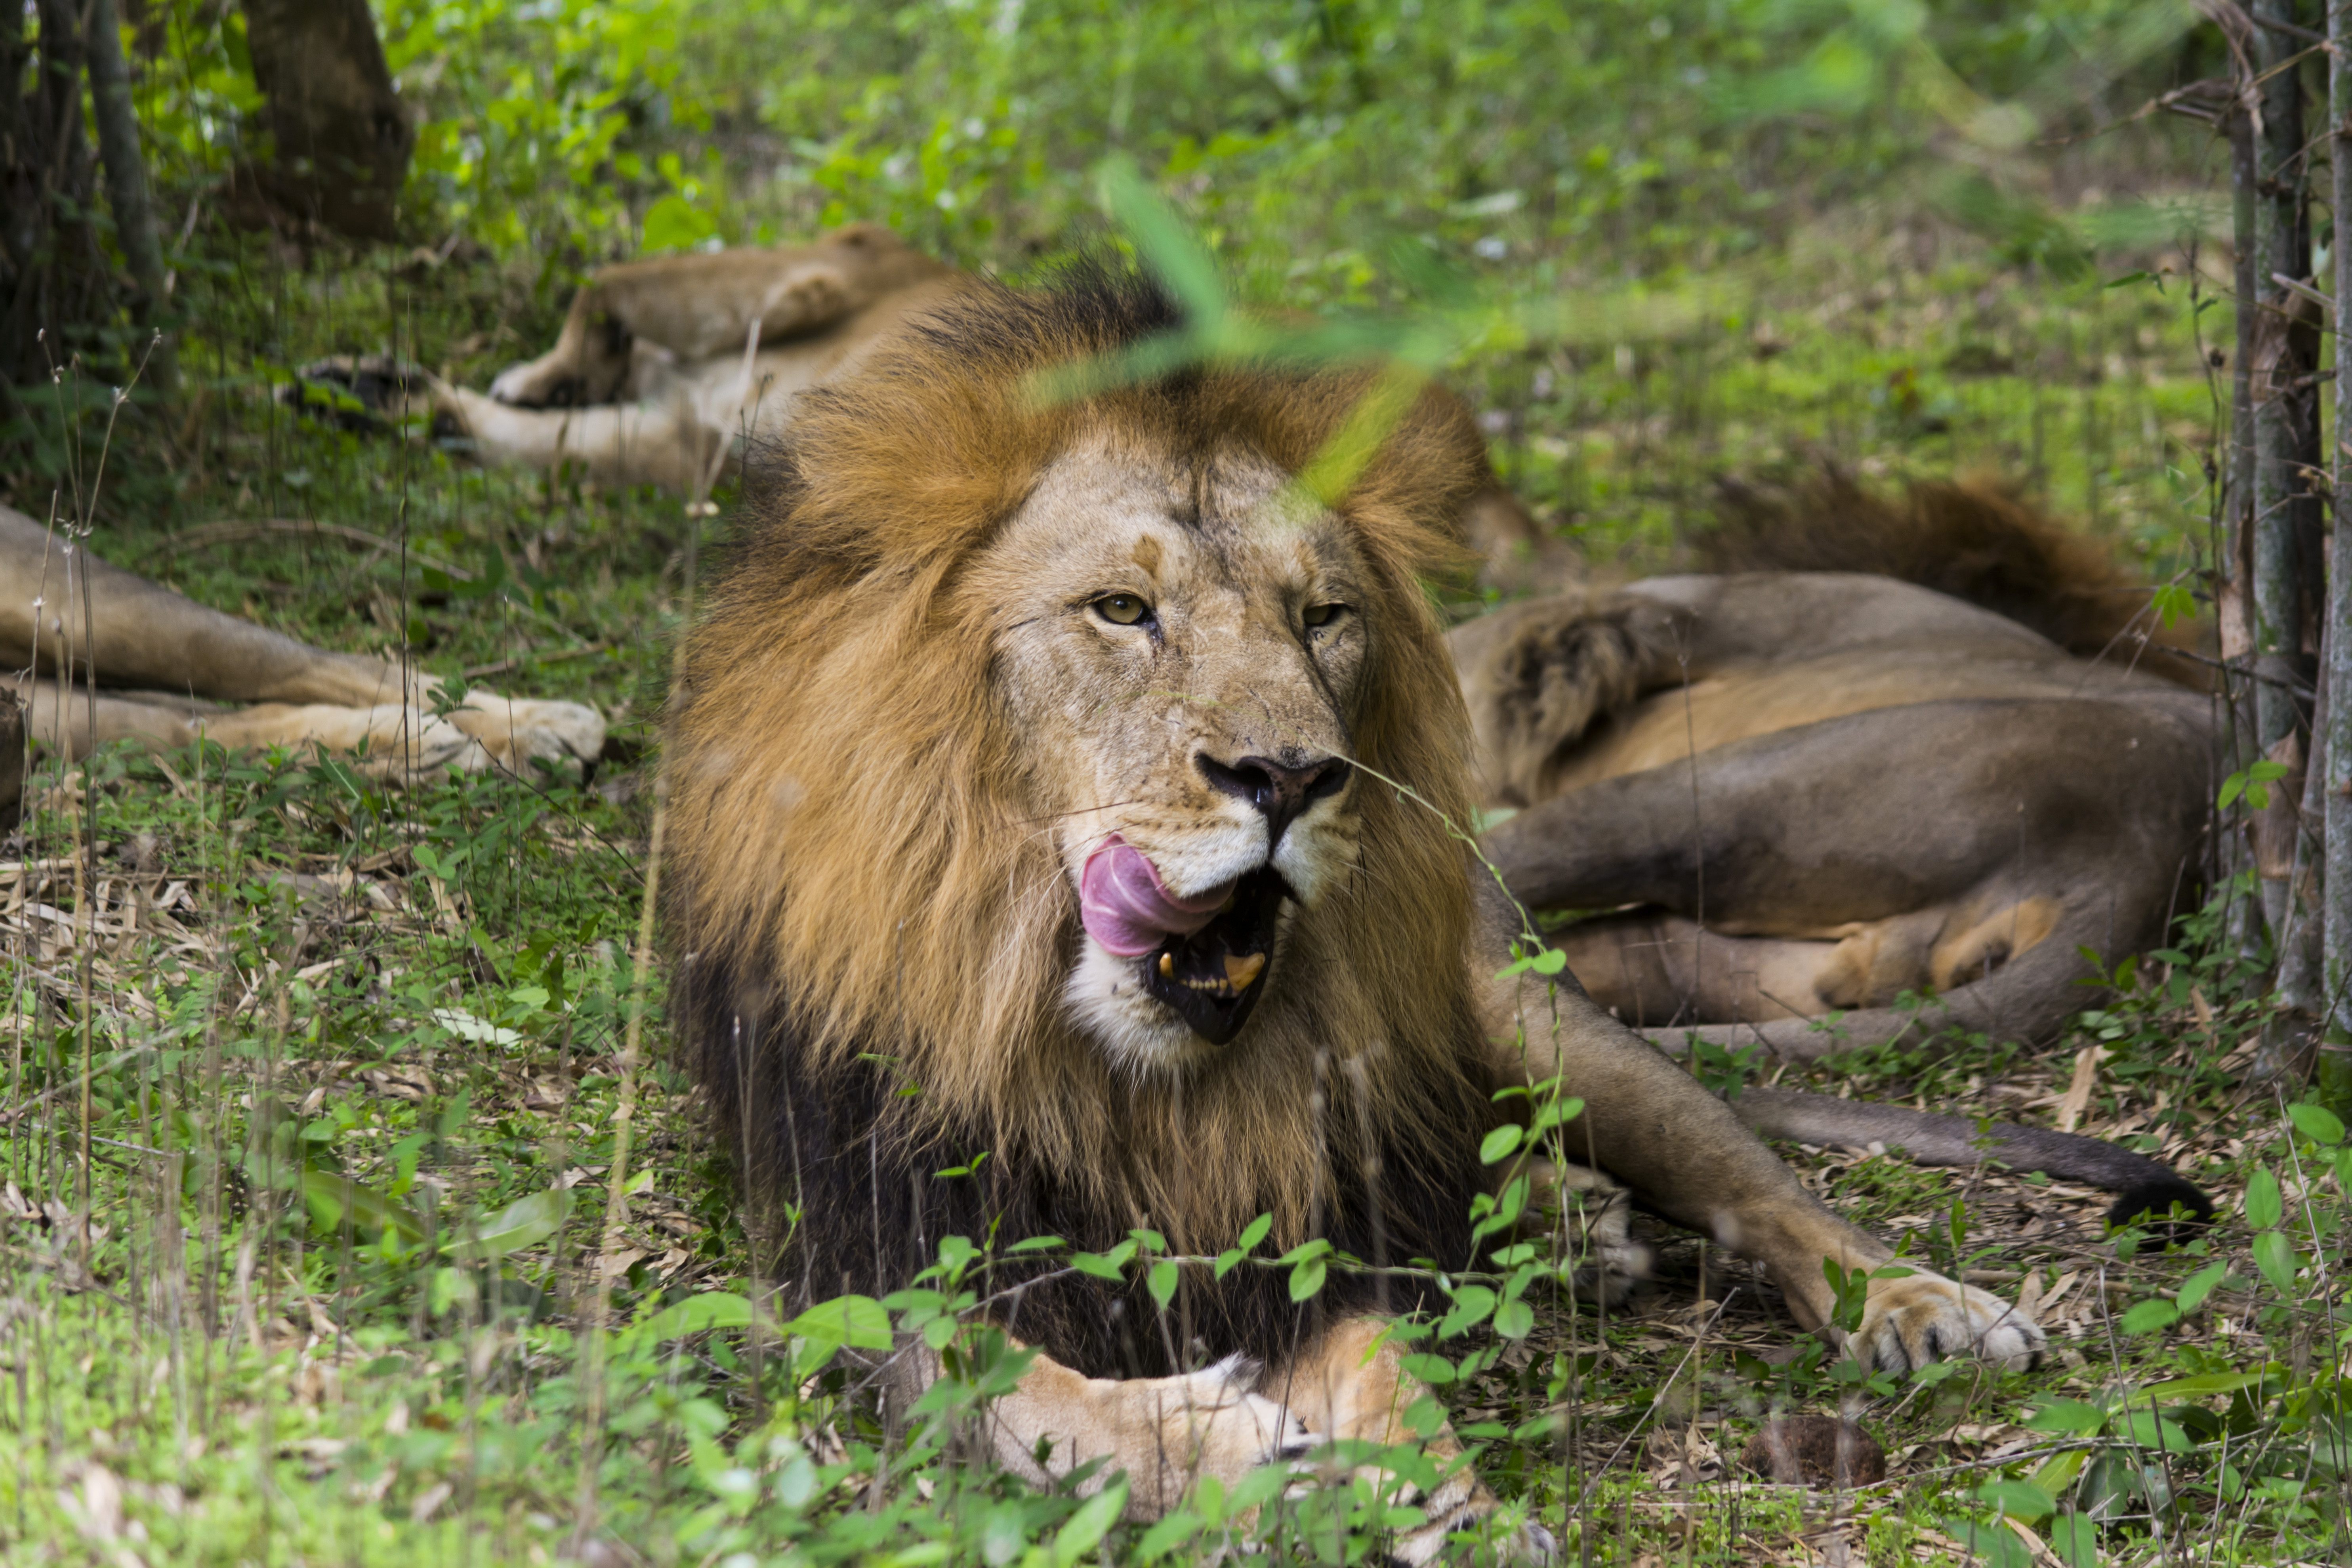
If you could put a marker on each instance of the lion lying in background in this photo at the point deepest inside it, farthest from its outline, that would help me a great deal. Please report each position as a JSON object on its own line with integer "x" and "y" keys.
{"x": 1808, "y": 793}
{"x": 166, "y": 665}
{"x": 663, "y": 364}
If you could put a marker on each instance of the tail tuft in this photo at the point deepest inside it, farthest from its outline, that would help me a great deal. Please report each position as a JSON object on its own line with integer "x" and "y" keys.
{"x": 2154, "y": 1201}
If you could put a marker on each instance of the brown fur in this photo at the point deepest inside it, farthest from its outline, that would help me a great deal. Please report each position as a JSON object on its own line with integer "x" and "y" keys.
{"x": 1977, "y": 539}
{"x": 834, "y": 752}
{"x": 1860, "y": 786}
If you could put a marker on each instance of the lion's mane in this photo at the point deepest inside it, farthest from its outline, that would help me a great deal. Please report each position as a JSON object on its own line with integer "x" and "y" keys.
{"x": 873, "y": 933}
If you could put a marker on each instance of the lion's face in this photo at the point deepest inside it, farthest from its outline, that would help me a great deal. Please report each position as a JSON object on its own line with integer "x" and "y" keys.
{"x": 1180, "y": 644}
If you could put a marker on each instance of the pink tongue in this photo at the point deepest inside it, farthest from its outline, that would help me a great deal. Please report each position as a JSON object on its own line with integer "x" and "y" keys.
{"x": 1124, "y": 907}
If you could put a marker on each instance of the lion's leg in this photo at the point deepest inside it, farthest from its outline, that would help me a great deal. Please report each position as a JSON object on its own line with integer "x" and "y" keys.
{"x": 1687, "y": 1155}
{"x": 1164, "y": 1433}
{"x": 587, "y": 364}
{"x": 1657, "y": 970}
{"x": 1350, "y": 1385}
{"x": 398, "y": 741}
{"x": 138, "y": 633}
{"x": 73, "y": 724}
{"x": 653, "y": 441}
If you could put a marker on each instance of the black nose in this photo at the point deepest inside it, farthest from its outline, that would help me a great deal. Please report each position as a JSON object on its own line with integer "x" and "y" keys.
{"x": 1280, "y": 791}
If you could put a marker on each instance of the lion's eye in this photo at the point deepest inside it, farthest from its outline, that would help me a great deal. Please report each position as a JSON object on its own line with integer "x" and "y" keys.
{"x": 1122, "y": 609}
{"x": 1322, "y": 615}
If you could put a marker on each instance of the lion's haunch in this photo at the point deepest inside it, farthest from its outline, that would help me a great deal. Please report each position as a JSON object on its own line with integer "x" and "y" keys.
{"x": 1126, "y": 907}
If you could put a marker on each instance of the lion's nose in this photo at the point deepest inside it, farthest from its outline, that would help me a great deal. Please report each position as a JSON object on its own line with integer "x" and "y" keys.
{"x": 1277, "y": 789}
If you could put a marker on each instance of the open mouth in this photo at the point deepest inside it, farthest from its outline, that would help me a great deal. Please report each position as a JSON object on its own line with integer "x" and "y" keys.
{"x": 1212, "y": 977}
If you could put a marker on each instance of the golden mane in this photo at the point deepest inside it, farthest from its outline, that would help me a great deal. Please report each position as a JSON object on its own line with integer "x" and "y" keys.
{"x": 858, "y": 872}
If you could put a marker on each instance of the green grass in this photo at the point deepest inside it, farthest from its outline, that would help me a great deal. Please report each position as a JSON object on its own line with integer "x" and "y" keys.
{"x": 345, "y": 1063}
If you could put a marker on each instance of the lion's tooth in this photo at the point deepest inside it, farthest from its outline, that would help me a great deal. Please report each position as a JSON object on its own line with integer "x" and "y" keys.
{"x": 1167, "y": 966}
{"x": 1242, "y": 970}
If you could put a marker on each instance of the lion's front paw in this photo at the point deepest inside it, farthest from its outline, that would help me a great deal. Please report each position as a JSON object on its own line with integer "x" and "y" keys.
{"x": 1526, "y": 1542}
{"x": 1922, "y": 1318}
{"x": 1213, "y": 1422}
{"x": 514, "y": 730}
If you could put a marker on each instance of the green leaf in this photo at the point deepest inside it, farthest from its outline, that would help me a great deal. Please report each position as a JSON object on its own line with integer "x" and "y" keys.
{"x": 673, "y": 223}
{"x": 698, "y": 1314}
{"x": 1995, "y": 1544}
{"x": 2071, "y": 1417}
{"x": 1471, "y": 1305}
{"x": 2264, "y": 1206}
{"x": 2075, "y": 1537}
{"x": 526, "y": 1221}
{"x": 1104, "y": 1265}
{"x": 1161, "y": 1283}
{"x": 2147, "y": 1317}
{"x": 333, "y": 1199}
{"x": 2150, "y": 1430}
{"x": 857, "y": 1321}
{"x": 2199, "y": 1285}
{"x": 1515, "y": 1320}
{"x": 2317, "y": 1123}
{"x": 2018, "y": 1499}
{"x": 2275, "y": 1256}
{"x": 1558, "y": 1113}
{"x": 1500, "y": 1144}
{"x": 1086, "y": 1527}
{"x": 1307, "y": 1280}
{"x": 1255, "y": 1232}
{"x": 1166, "y": 1535}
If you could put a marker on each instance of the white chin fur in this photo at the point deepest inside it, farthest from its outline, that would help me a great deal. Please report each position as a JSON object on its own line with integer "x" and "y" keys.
{"x": 1134, "y": 1029}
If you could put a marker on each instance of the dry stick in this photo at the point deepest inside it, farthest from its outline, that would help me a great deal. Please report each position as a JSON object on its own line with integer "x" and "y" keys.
{"x": 616, "y": 1200}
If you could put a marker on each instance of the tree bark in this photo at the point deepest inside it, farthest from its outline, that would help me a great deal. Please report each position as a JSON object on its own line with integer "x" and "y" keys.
{"x": 2335, "y": 760}
{"x": 342, "y": 135}
{"x": 2282, "y": 545}
{"x": 2234, "y": 572}
{"x": 52, "y": 274}
{"x": 126, "y": 182}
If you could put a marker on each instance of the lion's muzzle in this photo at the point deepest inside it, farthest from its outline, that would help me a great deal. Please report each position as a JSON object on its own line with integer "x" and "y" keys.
{"x": 1199, "y": 956}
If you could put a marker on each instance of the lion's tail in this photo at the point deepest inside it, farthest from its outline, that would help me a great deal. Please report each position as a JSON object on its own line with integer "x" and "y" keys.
{"x": 1974, "y": 538}
{"x": 2144, "y": 1186}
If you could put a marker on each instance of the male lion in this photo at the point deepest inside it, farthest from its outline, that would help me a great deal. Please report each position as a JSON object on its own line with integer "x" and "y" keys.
{"x": 167, "y": 669}
{"x": 1066, "y": 810}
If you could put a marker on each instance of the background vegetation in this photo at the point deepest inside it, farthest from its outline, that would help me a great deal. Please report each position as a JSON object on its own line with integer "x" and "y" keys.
{"x": 310, "y": 1106}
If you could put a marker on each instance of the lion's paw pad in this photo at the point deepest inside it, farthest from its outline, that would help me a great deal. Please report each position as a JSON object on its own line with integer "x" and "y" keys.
{"x": 1911, "y": 1322}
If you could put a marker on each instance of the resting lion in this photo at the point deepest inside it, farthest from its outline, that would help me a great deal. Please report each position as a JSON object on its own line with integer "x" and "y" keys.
{"x": 1062, "y": 811}
{"x": 663, "y": 363}
{"x": 167, "y": 669}
{"x": 1861, "y": 787}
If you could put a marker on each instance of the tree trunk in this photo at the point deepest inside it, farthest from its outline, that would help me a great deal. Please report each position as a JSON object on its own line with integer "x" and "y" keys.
{"x": 342, "y": 135}
{"x": 126, "y": 182}
{"x": 2335, "y": 760}
{"x": 2283, "y": 541}
{"x": 2234, "y": 572}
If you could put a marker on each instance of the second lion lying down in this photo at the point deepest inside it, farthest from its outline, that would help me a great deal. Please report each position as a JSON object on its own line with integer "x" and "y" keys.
{"x": 1062, "y": 800}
